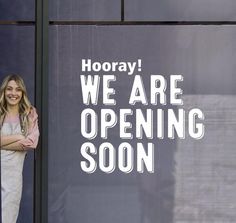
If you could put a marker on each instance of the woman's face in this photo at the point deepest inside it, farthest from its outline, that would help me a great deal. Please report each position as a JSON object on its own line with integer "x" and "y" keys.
{"x": 13, "y": 93}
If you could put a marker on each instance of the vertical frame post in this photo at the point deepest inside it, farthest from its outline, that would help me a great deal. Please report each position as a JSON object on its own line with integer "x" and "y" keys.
{"x": 41, "y": 101}
{"x": 122, "y": 10}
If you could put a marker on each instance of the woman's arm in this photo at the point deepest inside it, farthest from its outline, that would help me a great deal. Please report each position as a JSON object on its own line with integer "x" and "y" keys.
{"x": 9, "y": 139}
{"x": 25, "y": 142}
{"x": 31, "y": 140}
{"x": 15, "y": 146}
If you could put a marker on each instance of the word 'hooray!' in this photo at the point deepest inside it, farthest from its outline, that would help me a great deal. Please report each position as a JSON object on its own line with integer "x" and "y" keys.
{"x": 129, "y": 67}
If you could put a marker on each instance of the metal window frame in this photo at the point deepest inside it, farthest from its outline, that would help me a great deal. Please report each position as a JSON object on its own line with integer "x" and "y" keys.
{"x": 41, "y": 102}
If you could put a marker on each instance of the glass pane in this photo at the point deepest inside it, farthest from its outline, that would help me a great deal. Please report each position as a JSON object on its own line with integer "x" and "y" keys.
{"x": 180, "y": 10}
{"x": 202, "y": 55}
{"x": 17, "y": 56}
{"x": 17, "y": 10}
{"x": 84, "y": 10}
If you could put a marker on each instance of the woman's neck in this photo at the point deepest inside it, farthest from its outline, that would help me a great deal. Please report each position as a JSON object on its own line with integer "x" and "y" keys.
{"x": 13, "y": 110}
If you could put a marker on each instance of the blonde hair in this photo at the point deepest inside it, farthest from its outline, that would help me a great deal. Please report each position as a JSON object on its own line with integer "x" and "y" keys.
{"x": 24, "y": 104}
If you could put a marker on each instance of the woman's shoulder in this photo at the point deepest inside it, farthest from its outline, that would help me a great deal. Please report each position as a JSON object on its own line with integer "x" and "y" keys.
{"x": 33, "y": 113}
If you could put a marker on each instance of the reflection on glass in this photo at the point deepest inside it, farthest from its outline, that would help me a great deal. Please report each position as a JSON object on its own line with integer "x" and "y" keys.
{"x": 205, "y": 169}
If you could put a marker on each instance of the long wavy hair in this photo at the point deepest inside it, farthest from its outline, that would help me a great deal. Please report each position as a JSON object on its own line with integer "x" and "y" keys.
{"x": 24, "y": 104}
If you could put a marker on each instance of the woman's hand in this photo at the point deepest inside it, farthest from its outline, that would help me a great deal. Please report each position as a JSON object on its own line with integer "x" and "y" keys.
{"x": 20, "y": 137}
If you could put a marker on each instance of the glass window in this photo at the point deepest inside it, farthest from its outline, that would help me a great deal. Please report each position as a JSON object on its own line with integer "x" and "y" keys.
{"x": 84, "y": 10}
{"x": 202, "y": 55}
{"x": 17, "y": 56}
{"x": 180, "y": 10}
{"x": 17, "y": 10}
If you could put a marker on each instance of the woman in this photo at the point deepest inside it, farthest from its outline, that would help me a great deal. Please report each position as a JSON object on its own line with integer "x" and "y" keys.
{"x": 19, "y": 132}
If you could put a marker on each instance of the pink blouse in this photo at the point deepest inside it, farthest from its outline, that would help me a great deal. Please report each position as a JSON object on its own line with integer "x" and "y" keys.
{"x": 31, "y": 139}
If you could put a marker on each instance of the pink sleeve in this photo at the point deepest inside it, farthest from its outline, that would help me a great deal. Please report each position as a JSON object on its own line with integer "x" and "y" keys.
{"x": 31, "y": 140}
